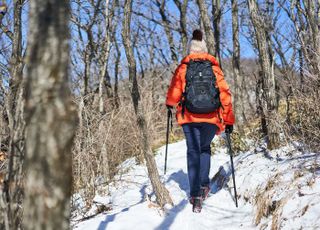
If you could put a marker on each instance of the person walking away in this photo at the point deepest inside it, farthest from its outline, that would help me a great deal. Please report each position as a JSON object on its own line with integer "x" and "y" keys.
{"x": 203, "y": 105}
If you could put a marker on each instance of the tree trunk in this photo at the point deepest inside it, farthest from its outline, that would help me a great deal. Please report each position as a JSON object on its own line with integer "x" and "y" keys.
{"x": 312, "y": 10}
{"x": 166, "y": 23}
{"x": 301, "y": 70}
{"x": 116, "y": 72}
{"x": 13, "y": 188}
{"x": 161, "y": 192}
{"x": 238, "y": 77}
{"x": 88, "y": 56}
{"x": 104, "y": 78}
{"x": 51, "y": 119}
{"x": 87, "y": 64}
{"x": 269, "y": 103}
{"x": 182, "y": 6}
{"x": 259, "y": 103}
{"x": 305, "y": 17}
{"x": 216, "y": 12}
{"x": 16, "y": 66}
{"x": 207, "y": 28}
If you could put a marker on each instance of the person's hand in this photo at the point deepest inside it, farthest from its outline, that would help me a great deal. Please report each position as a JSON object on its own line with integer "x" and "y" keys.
{"x": 228, "y": 129}
{"x": 169, "y": 107}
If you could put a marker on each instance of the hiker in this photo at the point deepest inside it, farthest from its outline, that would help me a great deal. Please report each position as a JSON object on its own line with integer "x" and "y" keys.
{"x": 202, "y": 100}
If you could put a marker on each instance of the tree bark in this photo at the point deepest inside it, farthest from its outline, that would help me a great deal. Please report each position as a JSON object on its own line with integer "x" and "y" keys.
{"x": 305, "y": 17}
{"x": 216, "y": 12}
{"x": 182, "y": 6}
{"x": 269, "y": 103}
{"x": 166, "y": 23}
{"x": 16, "y": 65}
{"x": 87, "y": 64}
{"x": 301, "y": 70}
{"x": 15, "y": 112}
{"x": 51, "y": 118}
{"x": 238, "y": 77}
{"x": 116, "y": 72}
{"x": 161, "y": 192}
{"x": 104, "y": 76}
{"x": 207, "y": 28}
{"x": 312, "y": 10}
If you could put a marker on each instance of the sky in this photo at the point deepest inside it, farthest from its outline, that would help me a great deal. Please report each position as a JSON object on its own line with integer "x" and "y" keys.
{"x": 246, "y": 49}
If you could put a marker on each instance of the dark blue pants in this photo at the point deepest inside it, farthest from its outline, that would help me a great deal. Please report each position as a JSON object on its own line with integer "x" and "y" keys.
{"x": 198, "y": 137}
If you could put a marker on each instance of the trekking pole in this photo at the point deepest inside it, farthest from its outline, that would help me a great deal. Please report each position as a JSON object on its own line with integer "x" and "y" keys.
{"x": 232, "y": 167}
{"x": 167, "y": 139}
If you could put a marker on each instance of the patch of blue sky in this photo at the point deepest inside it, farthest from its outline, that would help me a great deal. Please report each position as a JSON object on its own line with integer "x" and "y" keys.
{"x": 6, "y": 43}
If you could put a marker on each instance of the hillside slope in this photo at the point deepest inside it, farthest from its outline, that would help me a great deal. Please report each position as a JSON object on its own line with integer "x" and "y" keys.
{"x": 279, "y": 189}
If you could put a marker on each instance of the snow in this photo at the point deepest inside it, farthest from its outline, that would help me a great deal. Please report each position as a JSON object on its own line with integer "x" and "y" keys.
{"x": 284, "y": 177}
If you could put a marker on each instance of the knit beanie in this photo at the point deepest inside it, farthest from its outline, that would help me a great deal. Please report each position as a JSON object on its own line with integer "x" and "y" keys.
{"x": 197, "y": 44}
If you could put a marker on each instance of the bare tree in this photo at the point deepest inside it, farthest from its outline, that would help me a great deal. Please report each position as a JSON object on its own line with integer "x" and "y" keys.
{"x": 238, "y": 77}
{"x": 50, "y": 118}
{"x": 216, "y": 12}
{"x": 14, "y": 110}
{"x": 161, "y": 192}
{"x": 86, "y": 19}
{"x": 166, "y": 22}
{"x": 305, "y": 17}
{"x": 116, "y": 71}
{"x": 262, "y": 26}
{"x": 207, "y": 26}
{"x": 104, "y": 78}
{"x": 182, "y": 6}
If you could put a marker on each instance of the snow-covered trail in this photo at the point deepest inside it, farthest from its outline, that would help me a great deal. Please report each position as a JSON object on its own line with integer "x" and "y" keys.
{"x": 219, "y": 211}
{"x": 278, "y": 189}
{"x": 131, "y": 211}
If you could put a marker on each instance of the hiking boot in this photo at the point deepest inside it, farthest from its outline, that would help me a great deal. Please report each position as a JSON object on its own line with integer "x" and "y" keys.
{"x": 196, "y": 204}
{"x": 205, "y": 192}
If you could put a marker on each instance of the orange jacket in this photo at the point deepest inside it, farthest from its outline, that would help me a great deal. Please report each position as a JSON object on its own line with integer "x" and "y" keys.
{"x": 221, "y": 117}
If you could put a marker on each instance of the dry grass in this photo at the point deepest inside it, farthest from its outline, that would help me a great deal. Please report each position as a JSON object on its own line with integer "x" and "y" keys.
{"x": 104, "y": 142}
{"x": 265, "y": 205}
{"x": 298, "y": 115}
{"x": 276, "y": 215}
{"x": 238, "y": 144}
{"x": 303, "y": 119}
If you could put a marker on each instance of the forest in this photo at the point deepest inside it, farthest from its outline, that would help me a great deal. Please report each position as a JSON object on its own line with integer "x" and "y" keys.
{"x": 83, "y": 89}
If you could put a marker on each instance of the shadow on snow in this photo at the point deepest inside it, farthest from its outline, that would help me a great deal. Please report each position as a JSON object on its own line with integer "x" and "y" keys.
{"x": 182, "y": 180}
{"x": 111, "y": 218}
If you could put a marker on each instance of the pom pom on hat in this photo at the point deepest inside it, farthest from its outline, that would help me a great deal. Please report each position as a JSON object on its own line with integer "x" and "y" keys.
{"x": 197, "y": 35}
